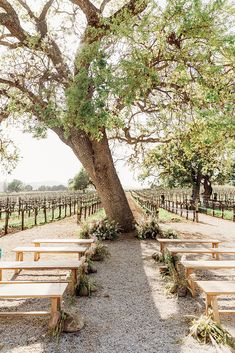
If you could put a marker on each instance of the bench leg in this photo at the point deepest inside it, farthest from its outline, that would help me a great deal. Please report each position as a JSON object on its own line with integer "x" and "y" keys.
{"x": 74, "y": 275}
{"x": 55, "y": 308}
{"x": 55, "y": 305}
{"x": 162, "y": 246}
{"x": 214, "y": 255}
{"x": 215, "y": 309}
{"x": 19, "y": 256}
{"x": 189, "y": 272}
{"x": 36, "y": 256}
{"x": 0, "y": 275}
{"x": 208, "y": 303}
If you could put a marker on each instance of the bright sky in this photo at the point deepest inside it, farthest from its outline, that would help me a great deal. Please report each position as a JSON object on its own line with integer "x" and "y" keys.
{"x": 51, "y": 160}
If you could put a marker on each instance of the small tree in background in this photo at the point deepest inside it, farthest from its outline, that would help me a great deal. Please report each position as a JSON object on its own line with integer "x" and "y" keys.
{"x": 28, "y": 187}
{"x": 196, "y": 157}
{"x": 80, "y": 181}
{"x": 16, "y": 185}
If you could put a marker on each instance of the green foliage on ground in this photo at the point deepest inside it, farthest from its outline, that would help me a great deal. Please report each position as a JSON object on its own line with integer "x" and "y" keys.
{"x": 102, "y": 229}
{"x": 86, "y": 285}
{"x": 149, "y": 229}
{"x": 205, "y": 330}
{"x": 101, "y": 252}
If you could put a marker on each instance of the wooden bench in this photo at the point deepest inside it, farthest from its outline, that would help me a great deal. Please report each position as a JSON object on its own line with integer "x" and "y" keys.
{"x": 213, "y": 289}
{"x": 86, "y": 242}
{"x": 79, "y": 250}
{"x": 72, "y": 266}
{"x": 201, "y": 251}
{"x": 192, "y": 266}
{"x": 164, "y": 242}
{"x": 53, "y": 291}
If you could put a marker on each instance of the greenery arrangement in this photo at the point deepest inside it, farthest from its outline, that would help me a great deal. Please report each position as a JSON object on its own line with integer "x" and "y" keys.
{"x": 105, "y": 230}
{"x": 101, "y": 229}
{"x": 100, "y": 253}
{"x": 90, "y": 266}
{"x": 85, "y": 286}
{"x": 174, "y": 274}
{"x": 170, "y": 234}
{"x": 205, "y": 330}
{"x": 84, "y": 233}
{"x": 58, "y": 329}
{"x": 149, "y": 230}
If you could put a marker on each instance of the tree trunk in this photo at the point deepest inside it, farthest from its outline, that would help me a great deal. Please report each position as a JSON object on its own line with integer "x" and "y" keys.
{"x": 196, "y": 188}
{"x": 96, "y": 158}
{"x": 207, "y": 190}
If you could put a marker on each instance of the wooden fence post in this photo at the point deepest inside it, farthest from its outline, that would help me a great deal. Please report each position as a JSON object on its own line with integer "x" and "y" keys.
{"x": 7, "y": 213}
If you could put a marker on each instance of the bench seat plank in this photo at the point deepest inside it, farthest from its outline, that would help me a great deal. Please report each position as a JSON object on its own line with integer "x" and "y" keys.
{"x": 203, "y": 265}
{"x": 50, "y": 249}
{"x": 32, "y": 290}
{"x": 63, "y": 241}
{"x": 42, "y": 265}
{"x": 179, "y": 241}
{"x": 217, "y": 287}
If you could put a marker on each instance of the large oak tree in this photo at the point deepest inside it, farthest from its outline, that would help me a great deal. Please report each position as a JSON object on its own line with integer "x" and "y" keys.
{"x": 129, "y": 70}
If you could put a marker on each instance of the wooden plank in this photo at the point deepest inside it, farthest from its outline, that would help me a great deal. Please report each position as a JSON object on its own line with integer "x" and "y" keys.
{"x": 217, "y": 287}
{"x": 42, "y": 265}
{"x": 202, "y": 265}
{"x": 63, "y": 241}
{"x": 51, "y": 249}
{"x": 32, "y": 290}
{"x": 33, "y": 281}
{"x": 19, "y": 313}
{"x": 203, "y": 241}
{"x": 201, "y": 250}
{"x": 227, "y": 312}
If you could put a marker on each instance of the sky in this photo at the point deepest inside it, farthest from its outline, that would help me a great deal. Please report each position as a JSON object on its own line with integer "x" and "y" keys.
{"x": 50, "y": 160}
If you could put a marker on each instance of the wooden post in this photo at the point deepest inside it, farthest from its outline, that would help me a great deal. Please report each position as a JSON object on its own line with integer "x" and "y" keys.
{"x": 6, "y": 221}
{"x": 222, "y": 209}
{"x": 79, "y": 214}
{"x": 22, "y": 219}
{"x": 35, "y": 215}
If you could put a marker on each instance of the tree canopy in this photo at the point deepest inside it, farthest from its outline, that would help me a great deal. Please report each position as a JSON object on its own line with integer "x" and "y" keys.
{"x": 198, "y": 155}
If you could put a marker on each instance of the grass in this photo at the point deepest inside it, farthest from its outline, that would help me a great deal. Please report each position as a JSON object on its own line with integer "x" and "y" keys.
{"x": 218, "y": 213}
{"x": 97, "y": 216}
{"x": 165, "y": 216}
{"x": 15, "y": 221}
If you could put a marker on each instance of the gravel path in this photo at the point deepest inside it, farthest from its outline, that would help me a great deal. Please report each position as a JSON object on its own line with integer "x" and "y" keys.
{"x": 130, "y": 313}
{"x": 207, "y": 227}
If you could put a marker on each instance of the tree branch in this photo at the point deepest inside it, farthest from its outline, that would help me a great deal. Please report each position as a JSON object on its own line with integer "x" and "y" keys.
{"x": 133, "y": 6}
{"x": 91, "y": 12}
{"x": 104, "y": 3}
{"x": 10, "y": 20}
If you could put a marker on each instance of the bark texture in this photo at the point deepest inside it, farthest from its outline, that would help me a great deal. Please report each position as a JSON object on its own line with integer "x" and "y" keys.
{"x": 97, "y": 160}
